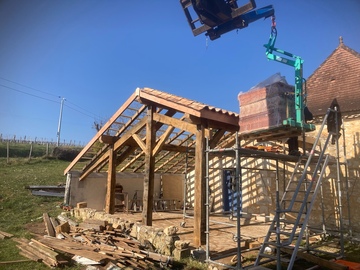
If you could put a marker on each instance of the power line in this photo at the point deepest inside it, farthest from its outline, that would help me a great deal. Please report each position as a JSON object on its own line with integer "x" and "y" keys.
{"x": 32, "y": 88}
{"x": 92, "y": 116}
{"x": 85, "y": 112}
{"x": 26, "y": 93}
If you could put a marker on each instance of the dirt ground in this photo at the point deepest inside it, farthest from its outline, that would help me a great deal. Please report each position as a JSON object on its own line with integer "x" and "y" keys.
{"x": 222, "y": 236}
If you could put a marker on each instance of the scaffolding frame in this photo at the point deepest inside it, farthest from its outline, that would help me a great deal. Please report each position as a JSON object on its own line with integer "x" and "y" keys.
{"x": 237, "y": 152}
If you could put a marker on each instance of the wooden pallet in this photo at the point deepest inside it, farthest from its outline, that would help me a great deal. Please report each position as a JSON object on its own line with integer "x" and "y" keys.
{"x": 271, "y": 134}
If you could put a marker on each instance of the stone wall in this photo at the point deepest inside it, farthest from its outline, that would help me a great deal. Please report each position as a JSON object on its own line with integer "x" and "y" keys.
{"x": 348, "y": 185}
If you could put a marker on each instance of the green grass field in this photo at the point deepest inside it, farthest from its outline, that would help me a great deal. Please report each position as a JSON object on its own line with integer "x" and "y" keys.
{"x": 19, "y": 207}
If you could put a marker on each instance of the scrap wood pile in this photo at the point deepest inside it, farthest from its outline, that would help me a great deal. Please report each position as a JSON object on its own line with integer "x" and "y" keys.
{"x": 92, "y": 242}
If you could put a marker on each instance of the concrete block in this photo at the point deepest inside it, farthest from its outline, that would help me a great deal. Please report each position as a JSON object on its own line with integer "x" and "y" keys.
{"x": 179, "y": 254}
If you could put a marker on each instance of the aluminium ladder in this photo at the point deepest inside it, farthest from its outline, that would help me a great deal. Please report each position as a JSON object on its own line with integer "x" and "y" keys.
{"x": 293, "y": 211}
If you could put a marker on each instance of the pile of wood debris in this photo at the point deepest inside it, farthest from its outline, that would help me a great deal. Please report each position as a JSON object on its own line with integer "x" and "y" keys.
{"x": 92, "y": 242}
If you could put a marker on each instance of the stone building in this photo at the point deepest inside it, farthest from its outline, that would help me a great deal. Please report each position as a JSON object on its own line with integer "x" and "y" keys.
{"x": 339, "y": 77}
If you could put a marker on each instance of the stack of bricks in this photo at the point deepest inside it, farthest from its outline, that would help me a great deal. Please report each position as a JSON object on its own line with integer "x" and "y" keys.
{"x": 266, "y": 108}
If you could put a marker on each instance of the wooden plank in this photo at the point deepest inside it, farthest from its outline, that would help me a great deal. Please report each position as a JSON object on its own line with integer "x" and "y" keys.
{"x": 316, "y": 260}
{"x": 29, "y": 255}
{"x": 49, "y": 227}
{"x": 63, "y": 228}
{"x": 44, "y": 249}
{"x": 199, "y": 201}
{"x": 17, "y": 261}
{"x": 54, "y": 222}
{"x": 32, "y": 250}
{"x": 111, "y": 182}
{"x": 5, "y": 234}
{"x": 75, "y": 248}
{"x": 149, "y": 175}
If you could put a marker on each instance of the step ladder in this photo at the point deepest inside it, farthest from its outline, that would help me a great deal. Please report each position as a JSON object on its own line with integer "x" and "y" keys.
{"x": 293, "y": 210}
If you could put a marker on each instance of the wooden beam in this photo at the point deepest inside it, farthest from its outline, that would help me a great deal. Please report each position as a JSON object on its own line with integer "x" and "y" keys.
{"x": 111, "y": 182}
{"x": 199, "y": 200}
{"x": 178, "y": 148}
{"x": 231, "y": 119}
{"x": 148, "y": 98}
{"x": 89, "y": 169}
{"x": 175, "y": 122}
{"x": 139, "y": 141}
{"x": 148, "y": 196}
{"x": 101, "y": 131}
{"x": 216, "y": 137}
{"x": 162, "y": 140}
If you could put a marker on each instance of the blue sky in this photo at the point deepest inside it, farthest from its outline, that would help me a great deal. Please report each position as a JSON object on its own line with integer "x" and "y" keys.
{"x": 96, "y": 53}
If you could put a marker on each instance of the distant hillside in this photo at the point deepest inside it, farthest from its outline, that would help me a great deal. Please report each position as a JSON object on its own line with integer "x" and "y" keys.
{"x": 26, "y": 150}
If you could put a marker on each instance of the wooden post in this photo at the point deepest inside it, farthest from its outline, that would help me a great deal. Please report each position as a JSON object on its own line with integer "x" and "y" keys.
{"x": 67, "y": 189}
{"x": 111, "y": 182}
{"x": 148, "y": 196}
{"x": 31, "y": 148}
{"x": 200, "y": 188}
{"x": 7, "y": 152}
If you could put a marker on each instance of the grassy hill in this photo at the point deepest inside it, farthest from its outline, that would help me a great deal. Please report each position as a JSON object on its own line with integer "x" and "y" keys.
{"x": 19, "y": 208}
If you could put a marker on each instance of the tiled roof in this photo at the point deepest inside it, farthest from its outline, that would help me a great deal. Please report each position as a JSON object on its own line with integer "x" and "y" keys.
{"x": 337, "y": 77}
{"x": 161, "y": 97}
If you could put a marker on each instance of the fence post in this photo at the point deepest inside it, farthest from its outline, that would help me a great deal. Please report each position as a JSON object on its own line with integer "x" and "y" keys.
{"x": 31, "y": 148}
{"x": 47, "y": 149}
{"x": 7, "y": 152}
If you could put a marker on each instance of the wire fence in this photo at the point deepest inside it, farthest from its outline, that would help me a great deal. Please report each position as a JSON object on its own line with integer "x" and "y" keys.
{"x": 29, "y": 149}
{"x": 40, "y": 141}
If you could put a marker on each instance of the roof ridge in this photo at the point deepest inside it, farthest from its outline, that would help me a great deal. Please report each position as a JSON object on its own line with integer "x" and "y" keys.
{"x": 340, "y": 46}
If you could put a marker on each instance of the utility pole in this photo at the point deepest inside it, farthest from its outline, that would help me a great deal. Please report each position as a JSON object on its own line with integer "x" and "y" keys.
{"x": 60, "y": 118}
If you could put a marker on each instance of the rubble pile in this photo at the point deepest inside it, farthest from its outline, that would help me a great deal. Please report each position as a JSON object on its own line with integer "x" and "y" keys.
{"x": 104, "y": 245}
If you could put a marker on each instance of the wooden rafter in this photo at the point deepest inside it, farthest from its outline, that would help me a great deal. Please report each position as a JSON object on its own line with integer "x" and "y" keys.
{"x": 117, "y": 145}
{"x": 101, "y": 132}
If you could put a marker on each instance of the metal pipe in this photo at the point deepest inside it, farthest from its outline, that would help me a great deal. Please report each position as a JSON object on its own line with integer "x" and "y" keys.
{"x": 239, "y": 197}
{"x": 60, "y": 119}
{"x": 207, "y": 231}
{"x": 278, "y": 210}
{"x": 347, "y": 180}
{"x": 339, "y": 183}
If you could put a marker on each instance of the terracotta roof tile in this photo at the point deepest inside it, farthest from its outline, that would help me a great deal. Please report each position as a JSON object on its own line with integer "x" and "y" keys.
{"x": 337, "y": 77}
{"x": 191, "y": 104}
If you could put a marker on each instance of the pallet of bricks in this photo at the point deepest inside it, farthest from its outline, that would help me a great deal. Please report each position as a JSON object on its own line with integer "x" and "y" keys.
{"x": 264, "y": 107}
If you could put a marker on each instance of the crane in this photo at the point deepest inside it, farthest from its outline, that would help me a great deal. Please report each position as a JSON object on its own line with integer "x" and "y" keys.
{"x": 217, "y": 17}
{"x": 295, "y": 61}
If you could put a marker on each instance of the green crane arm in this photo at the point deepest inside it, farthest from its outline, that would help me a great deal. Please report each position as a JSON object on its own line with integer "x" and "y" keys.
{"x": 296, "y": 62}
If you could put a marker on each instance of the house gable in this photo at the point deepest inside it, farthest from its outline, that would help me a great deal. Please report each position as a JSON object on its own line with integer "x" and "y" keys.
{"x": 337, "y": 77}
